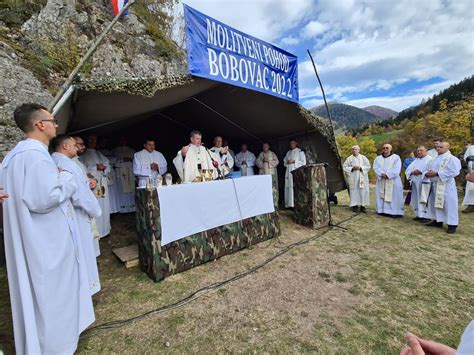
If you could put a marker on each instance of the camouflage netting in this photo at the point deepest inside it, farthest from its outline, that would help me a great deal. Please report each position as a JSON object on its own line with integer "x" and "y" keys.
{"x": 146, "y": 87}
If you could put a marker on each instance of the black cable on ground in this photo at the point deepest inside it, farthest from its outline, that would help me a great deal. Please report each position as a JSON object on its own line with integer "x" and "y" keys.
{"x": 196, "y": 294}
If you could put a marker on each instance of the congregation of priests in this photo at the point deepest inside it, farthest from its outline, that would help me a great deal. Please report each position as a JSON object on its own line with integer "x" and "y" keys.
{"x": 58, "y": 193}
{"x": 431, "y": 177}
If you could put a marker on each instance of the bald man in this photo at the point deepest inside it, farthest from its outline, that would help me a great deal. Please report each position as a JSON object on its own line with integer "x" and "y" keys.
{"x": 443, "y": 198}
{"x": 389, "y": 189}
{"x": 414, "y": 173}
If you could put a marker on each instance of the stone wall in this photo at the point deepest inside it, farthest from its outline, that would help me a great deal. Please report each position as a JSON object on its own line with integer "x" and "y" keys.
{"x": 36, "y": 58}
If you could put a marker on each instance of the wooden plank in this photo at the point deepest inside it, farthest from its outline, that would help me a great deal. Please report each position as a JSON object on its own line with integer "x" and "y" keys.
{"x": 128, "y": 255}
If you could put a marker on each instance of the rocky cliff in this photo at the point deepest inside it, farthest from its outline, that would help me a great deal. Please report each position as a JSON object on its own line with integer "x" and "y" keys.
{"x": 40, "y": 44}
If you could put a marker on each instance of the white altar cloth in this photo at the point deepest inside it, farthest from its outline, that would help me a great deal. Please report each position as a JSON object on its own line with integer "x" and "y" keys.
{"x": 187, "y": 209}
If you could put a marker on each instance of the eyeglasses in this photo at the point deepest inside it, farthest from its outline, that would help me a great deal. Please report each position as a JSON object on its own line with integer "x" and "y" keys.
{"x": 54, "y": 121}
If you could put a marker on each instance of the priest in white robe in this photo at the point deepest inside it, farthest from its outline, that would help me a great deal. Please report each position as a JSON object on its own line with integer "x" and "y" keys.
{"x": 111, "y": 181}
{"x": 414, "y": 173}
{"x": 356, "y": 171}
{"x": 80, "y": 149}
{"x": 245, "y": 161}
{"x": 389, "y": 189}
{"x": 433, "y": 152}
{"x": 468, "y": 200}
{"x": 443, "y": 198}
{"x": 98, "y": 167}
{"x": 294, "y": 159}
{"x": 267, "y": 162}
{"x": 149, "y": 163}
{"x": 194, "y": 157}
{"x": 125, "y": 179}
{"x": 85, "y": 204}
{"x": 223, "y": 156}
{"x": 51, "y": 304}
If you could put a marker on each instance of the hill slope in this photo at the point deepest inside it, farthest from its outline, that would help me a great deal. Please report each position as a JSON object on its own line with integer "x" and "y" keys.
{"x": 346, "y": 116}
{"x": 381, "y": 112}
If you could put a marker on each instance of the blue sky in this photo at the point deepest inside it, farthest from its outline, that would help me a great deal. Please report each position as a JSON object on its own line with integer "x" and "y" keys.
{"x": 379, "y": 52}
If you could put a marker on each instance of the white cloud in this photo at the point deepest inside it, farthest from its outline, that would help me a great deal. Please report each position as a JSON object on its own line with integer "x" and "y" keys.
{"x": 364, "y": 45}
{"x": 314, "y": 28}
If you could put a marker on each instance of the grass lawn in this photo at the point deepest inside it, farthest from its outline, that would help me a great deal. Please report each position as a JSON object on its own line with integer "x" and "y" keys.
{"x": 382, "y": 137}
{"x": 354, "y": 291}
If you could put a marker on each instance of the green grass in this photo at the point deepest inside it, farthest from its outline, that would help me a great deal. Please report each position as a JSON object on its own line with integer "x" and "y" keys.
{"x": 347, "y": 292}
{"x": 382, "y": 137}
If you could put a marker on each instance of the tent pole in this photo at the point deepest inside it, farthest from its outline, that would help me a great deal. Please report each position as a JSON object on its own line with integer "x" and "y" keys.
{"x": 227, "y": 119}
{"x": 86, "y": 56}
{"x": 322, "y": 90}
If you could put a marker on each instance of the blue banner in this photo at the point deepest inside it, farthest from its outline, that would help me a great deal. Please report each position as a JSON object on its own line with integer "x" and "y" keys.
{"x": 219, "y": 52}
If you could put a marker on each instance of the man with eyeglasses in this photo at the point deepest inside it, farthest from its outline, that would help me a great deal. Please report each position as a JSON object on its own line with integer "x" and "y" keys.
{"x": 51, "y": 303}
{"x": 389, "y": 188}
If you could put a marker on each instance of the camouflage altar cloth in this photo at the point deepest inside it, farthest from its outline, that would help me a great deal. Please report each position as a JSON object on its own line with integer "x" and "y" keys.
{"x": 310, "y": 195}
{"x": 159, "y": 262}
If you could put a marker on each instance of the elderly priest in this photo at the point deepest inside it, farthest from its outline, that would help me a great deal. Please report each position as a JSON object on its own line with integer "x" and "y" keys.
{"x": 356, "y": 170}
{"x": 50, "y": 300}
{"x": 389, "y": 188}
{"x": 223, "y": 156}
{"x": 294, "y": 158}
{"x": 193, "y": 158}
{"x": 443, "y": 199}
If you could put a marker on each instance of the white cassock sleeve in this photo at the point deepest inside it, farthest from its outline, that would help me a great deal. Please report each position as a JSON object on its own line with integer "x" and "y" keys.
{"x": 347, "y": 166}
{"x": 273, "y": 160}
{"x": 300, "y": 159}
{"x": 395, "y": 170}
{"x": 178, "y": 162}
{"x": 251, "y": 161}
{"x": 229, "y": 160}
{"x": 238, "y": 160}
{"x": 365, "y": 165}
{"x": 410, "y": 168}
{"x": 162, "y": 164}
{"x": 84, "y": 198}
{"x": 286, "y": 158}
{"x": 259, "y": 161}
{"x": 378, "y": 168}
{"x": 138, "y": 168}
{"x": 45, "y": 189}
{"x": 452, "y": 170}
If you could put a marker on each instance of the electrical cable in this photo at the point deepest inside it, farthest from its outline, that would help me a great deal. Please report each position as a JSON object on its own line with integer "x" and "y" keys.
{"x": 198, "y": 293}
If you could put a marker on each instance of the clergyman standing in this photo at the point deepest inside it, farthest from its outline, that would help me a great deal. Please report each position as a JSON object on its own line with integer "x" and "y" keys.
{"x": 51, "y": 303}
{"x": 356, "y": 170}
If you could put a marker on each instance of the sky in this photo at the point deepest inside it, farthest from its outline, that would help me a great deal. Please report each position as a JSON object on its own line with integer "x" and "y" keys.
{"x": 378, "y": 52}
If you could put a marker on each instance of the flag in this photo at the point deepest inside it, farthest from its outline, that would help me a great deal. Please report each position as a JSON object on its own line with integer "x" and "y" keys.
{"x": 117, "y": 5}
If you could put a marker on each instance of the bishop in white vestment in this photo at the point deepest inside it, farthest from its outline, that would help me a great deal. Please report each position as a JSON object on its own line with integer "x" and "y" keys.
{"x": 125, "y": 179}
{"x": 149, "y": 163}
{"x": 193, "y": 157}
{"x": 50, "y": 300}
{"x": 267, "y": 162}
{"x": 415, "y": 172}
{"x": 356, "y": 171}
{"x": 468, "y": 200}
{"x": 294, "y": 158}
{"x": 98, "y": 166}
{"x": 443, "y": 198}
{"x": 223, "y": 156}
{"x": 85, "y": 204}
{"x": 389, "y": 189}
{"x": 245, "y": 161}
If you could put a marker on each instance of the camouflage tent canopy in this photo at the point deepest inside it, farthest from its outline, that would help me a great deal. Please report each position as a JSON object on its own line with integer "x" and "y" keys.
{"x": 167, "y": 108}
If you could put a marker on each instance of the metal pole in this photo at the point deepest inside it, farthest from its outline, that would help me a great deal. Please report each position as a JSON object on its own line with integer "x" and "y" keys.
{"x": 86, "y": 56}
{"x": 322, "y": 89}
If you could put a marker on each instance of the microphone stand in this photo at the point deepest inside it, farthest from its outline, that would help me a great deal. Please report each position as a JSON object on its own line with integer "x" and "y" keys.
{"x": 219, "y": 173}
{"x": 330, "y": 223}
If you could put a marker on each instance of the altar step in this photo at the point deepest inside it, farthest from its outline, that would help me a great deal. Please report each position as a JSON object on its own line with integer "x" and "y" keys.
{"x": 128, "y": 255}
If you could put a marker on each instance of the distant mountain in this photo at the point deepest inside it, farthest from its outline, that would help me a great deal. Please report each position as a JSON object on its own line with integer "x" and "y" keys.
{"x": 382, "y": 112}
{"x": 346, "y": 116}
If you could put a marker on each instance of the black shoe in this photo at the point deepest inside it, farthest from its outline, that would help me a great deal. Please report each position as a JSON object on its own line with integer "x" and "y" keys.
{"x": 362, "y": 209}
{"x": 451, "y": 229}
{"x": 435, "y": 224}
{"x": 335, "y": 200}
{"x": 382, "y": 214}
{"x": 395, "y": 215}
{"x": 416, "y": 218}
{"x": 424, "y": 220}
{"x": 355, "y": 208}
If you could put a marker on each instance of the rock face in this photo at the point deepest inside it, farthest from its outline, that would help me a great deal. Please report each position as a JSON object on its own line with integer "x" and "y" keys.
{"x": 36, "y": 58}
